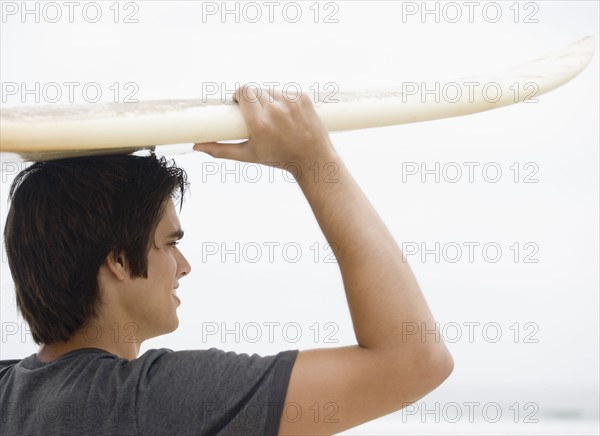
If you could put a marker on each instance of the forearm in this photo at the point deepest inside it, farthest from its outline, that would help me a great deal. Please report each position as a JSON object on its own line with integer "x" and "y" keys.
{"x": 383, "y": 295}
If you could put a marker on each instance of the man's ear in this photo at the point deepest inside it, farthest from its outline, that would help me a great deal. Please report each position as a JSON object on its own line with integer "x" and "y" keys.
{"x": 116, "y": 265}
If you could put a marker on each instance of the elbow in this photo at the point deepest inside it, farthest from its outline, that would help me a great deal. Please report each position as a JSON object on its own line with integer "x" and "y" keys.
{"x": 445, "y": 366}
{"x": 437, "y": 366}
{"x": 424, "y": 372}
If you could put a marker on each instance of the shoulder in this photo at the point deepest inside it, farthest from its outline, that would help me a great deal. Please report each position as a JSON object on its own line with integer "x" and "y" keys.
{"x": 209, "y": 362}
{"x": 7, "y": 365}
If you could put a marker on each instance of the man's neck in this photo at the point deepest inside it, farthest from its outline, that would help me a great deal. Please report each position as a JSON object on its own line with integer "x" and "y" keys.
{"x": 127, "y": 350}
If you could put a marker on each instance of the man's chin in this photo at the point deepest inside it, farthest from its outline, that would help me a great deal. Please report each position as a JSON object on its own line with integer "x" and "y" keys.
{"x": 166, "y": 327}
{"x": 174, "y": 326}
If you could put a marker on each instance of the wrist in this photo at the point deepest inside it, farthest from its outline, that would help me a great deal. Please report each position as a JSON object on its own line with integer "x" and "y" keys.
{"x": 322, "y": 168}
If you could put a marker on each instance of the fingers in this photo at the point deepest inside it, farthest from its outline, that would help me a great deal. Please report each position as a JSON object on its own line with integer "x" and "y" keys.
{"x": 271, "y": 122}
{"x": 250, "y": 94}
{"x": 250, "y": 105}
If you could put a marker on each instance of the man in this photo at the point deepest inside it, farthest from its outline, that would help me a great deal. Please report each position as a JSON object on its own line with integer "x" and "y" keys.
{"x": 92, "y": 250}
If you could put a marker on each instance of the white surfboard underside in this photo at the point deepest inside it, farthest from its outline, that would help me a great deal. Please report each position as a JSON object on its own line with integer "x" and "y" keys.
{"x": 56, "y": 131}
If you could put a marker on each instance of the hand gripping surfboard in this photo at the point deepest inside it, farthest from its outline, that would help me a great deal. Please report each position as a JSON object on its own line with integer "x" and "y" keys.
{"x": 57, "y": 131}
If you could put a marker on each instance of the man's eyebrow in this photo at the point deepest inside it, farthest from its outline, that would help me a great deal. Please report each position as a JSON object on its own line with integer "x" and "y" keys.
{"x": 177, "y": 234}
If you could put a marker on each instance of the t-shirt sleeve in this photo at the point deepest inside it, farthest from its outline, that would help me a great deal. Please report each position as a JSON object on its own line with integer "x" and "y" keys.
{"x": 212, "y": 392}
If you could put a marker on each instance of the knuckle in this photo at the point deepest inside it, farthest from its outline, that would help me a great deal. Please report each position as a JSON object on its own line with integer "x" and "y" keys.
{"x": 305, "y": 98}
{"x": 306, "y": 102}
{"x": 261, "y": 124}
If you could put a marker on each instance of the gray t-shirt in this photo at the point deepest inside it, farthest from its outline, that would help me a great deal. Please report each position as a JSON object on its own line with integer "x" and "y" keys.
{"x": 162, "y": 392}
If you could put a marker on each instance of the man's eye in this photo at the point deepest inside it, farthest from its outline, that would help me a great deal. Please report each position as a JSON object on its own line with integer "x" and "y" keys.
{"x": 174, "y": 243}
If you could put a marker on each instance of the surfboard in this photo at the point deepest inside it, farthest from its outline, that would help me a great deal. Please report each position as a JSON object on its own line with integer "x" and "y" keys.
{"x": 58, "y": 131}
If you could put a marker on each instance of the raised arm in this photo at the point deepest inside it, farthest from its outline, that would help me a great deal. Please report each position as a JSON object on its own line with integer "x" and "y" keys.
{"x": 399, "y": 358}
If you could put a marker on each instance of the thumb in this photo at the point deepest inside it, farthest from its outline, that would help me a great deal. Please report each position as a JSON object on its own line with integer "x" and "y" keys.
{"x": 237, "y": 151}
{"x": 205, "y": 146}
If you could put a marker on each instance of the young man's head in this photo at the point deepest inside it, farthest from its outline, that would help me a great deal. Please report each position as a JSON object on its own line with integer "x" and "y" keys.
{"x": 86, "y": 234}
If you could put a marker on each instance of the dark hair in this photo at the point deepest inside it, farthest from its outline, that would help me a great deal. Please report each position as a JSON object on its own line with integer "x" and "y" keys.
{"x": 66, "y": 216}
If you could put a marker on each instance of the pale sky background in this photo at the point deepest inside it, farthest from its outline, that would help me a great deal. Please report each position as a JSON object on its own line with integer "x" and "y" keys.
{"x": 170, "y": 53}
